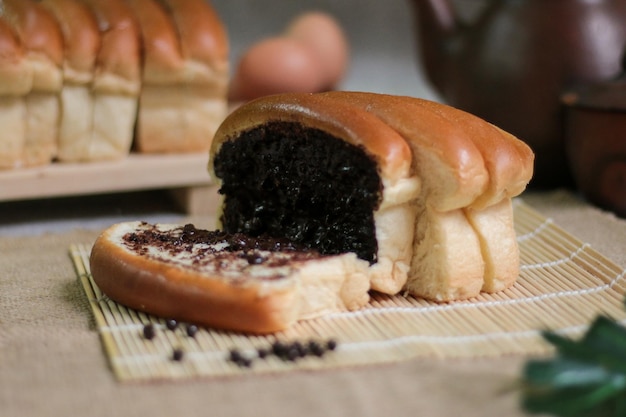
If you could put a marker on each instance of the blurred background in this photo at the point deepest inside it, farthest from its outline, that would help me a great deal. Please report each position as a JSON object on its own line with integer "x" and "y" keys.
{"x": 380, "y": 33}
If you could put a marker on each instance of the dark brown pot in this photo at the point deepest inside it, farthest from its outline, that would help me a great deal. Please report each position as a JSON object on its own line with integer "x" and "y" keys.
{"x": 512, "y": 63}
{"x": 595, "y": 131}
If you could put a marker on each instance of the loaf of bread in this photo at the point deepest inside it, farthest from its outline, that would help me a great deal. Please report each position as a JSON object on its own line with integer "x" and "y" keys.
{"x": 223, "y": 281}
{"x": 81, "y": 43}
{"x": 431, "y": 211}
{"x": 325, "y": 197}
{"x": 185, "y": 75}
{"x": 97, "y": 76}
{"x": 15, "y": 82}
{"x": 116, "y": 83}
{"x": 41, "y": 39}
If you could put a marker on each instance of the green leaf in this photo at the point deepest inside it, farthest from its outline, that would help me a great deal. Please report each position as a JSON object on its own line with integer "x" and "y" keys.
{"x": 602, "y": 344}
{"x": 566, "y": 373}
{"x": 607, "y": 336}
{"x": 592, "y": 400}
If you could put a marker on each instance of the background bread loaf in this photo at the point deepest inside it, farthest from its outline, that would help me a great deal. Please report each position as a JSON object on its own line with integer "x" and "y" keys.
{"x": 15, "y": 82}
{"x": 81, "y": 44}
{"x": 117, "y": 80}
{"x": 96, "y": 77}
{"x": 185, "y": 75}
{"x": 41, "y": 38}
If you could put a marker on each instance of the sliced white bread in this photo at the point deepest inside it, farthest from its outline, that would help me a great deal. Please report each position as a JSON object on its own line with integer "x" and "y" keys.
{"x": 211, "y": 282}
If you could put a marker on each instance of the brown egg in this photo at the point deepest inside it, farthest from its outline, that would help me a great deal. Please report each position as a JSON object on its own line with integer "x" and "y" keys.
{"x": 276, "y": 65}
{"x": 323, "y": 34}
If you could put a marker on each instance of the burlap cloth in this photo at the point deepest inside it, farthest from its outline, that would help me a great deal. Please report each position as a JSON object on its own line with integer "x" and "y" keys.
{"x": 52, "y": 361}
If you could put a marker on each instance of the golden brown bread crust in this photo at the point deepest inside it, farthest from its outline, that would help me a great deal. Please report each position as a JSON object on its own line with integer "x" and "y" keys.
{"x": 81, "y": 37}
{"x": 509, "y": 161}
{"x": 41, "y": 38}
{"x": 484, "y": 163}
{"x": 162, "y": 56}
{"x": 118, "y": 66}
{"x": 15, "y": 75}
{"x": 171, "y": 292}
{"x": 202, "y": 33}
{"x": 451, "y": 167}
{"x": 342, "y": 120}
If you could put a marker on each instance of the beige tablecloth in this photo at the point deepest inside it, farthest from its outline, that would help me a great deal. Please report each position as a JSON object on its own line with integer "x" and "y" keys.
{"x": 52, "y": 362}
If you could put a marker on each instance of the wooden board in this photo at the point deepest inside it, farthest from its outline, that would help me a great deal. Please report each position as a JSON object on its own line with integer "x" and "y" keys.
{"x": 186, "y": 172}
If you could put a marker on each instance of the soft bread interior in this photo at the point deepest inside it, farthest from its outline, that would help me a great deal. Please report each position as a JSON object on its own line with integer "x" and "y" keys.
{"x": 496, "y": 233}
{"x": 42, "y": 126}
{"x": 76, "y": 125}
{"x": 447, "y": 261}
{"x": 12, "y": 133}
{"x": 394, "y": 221}
{"x": 177, "y": 118}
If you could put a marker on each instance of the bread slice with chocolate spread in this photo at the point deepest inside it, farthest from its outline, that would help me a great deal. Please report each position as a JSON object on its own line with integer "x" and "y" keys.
{"x": 220, "y": 280}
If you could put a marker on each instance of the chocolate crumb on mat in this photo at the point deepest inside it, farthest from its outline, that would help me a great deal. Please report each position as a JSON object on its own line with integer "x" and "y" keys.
{"x": 149, "y": 332}
{"x": 177, "y": 354}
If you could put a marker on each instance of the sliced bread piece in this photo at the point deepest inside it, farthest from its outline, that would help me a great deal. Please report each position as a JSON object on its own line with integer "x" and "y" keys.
{"x": 223, "y": 280}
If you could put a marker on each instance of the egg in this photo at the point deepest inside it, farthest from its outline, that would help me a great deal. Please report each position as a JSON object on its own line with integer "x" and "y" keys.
{"x": 276, "y": 65}
{"x": 322, "y": 33}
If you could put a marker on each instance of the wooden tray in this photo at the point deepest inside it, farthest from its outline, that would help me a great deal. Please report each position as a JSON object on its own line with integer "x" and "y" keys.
{"x": 185, "y": 175}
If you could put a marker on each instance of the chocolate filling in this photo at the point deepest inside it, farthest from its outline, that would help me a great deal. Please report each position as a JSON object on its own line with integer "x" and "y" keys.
{"x": 216, "y": 250}
{"x": 285, "y": 180}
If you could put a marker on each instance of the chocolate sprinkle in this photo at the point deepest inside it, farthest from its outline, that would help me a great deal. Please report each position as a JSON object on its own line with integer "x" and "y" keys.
{"x": 171, "y": 324}
{"x": 288, "y": 352}
{"x": 177, "y": 354}
{"x": 192, "y": 329}
{"x": 149, "y": 331}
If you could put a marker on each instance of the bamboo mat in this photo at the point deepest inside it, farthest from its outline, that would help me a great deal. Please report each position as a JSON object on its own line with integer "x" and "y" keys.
{"x": 563, "y": 285}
